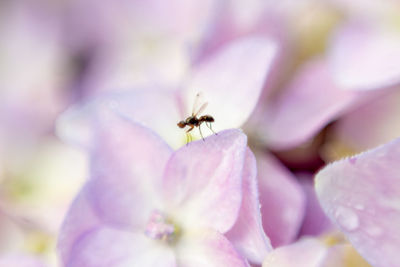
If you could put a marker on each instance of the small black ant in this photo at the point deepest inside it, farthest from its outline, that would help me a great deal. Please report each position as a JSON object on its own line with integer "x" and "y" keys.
{"x": 194, "y": 121}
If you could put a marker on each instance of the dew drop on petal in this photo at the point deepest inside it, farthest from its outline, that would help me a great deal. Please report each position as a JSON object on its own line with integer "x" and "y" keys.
{"x": 347, "y": 218}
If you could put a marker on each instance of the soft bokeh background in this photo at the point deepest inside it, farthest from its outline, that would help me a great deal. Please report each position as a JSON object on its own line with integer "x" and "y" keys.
{"x": 337, "y": 61}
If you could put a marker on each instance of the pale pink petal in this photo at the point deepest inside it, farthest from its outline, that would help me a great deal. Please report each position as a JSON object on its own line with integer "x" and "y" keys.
{"x": 247, "y": 235}
{"x": 113, "y": 20}
{"x": 312, "y": 252}
{"x": 363, "y": 57}
{"x": 105, "y": 247}
{"x": 80, "y": 219}
{"x": 361, "y": 195}
{"x": 368, "y": 10}
{"x": 233, "y": 21}
{"x": 343, "y": 255}
{"x": 315, "y": 220}
{"x": 20, "y": 260}
{"x": 127, "y": 165}
{"x": 304, "y": 253}
{"x": 208, "y": 249}
{"x": 232, "y": 80}
{"x": 184, "y": 19}
{"x": 74, "y": 126}
{"x": 374, "y": 123}
{"x": 132, "y": 64}
{"x": 157, "y": 109}
{"x": 309, "y": 103}
{"x": 203, "y": 181}
{"x": 282, "y": 201}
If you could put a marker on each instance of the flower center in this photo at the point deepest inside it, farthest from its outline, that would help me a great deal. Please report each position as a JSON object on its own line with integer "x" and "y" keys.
{"x": 160, "y": 227}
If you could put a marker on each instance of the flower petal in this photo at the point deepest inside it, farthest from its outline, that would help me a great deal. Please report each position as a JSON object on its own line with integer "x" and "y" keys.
{"x": 356, "y": 42}
{"x": 374, "y": 123}
{"x": 80, "y": 219}
{"x": 282, "y": 201}
{"x": 127, "y": 165}
{"x": 105, "y": 247}
{"x": 146, "y": 106}
{"x": 208, "y": 249}
{"x": 315, "y": 220}
{"x": 233, "y": 78}
{"x": 312, "y": 252}
{"x": 247, "y": 235}
{"x": 361, "y": 195}
{"x": 132, "y": 64}
{"x": 304, "y": 253}
{"x": 20, "y": 260}
{"x": 309, "y": 103}
{"x": 344, "y": 255}
{"x": 203, "y": 181}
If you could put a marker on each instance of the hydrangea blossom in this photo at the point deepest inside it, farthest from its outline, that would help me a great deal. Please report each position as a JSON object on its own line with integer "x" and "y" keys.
{"x": 145, "y": 205}
{"x": 232, "y": 95}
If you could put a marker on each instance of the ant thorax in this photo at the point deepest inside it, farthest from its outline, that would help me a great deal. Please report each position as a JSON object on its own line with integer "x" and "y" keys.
{"x": 192, "y": 120}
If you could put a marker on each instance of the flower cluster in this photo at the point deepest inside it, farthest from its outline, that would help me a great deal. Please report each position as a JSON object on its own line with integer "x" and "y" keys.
{"x": 285, "y": 154}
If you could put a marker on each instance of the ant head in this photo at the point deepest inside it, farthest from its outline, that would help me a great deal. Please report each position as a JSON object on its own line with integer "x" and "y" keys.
{"x": 181, "y": 124}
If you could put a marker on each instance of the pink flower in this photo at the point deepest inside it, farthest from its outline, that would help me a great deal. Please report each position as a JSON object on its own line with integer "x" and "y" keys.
{"x": 145, "y": 205}
{"x": 361, "y": 195}
{"x": 231, "y": 81}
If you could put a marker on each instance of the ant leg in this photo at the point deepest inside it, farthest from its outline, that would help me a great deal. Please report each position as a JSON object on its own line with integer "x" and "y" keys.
{"x": 191, "y": 128}
{"x": 188, "y": 135}
{"x": 201, "y": 132}
{"x": 212, "y": 129}
{"x": 209, "y": 126}
{"x": 189, "y": 138}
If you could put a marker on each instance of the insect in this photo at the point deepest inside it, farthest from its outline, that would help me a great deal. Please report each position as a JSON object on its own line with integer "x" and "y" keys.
{"x": 195, "y": 121}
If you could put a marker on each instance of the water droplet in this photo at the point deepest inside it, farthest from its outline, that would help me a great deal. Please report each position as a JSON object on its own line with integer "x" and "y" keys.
{"x": 347, "y": 218}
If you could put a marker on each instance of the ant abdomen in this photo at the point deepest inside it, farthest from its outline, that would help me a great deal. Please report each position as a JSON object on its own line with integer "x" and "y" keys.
{"x": 207, "y": 118}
